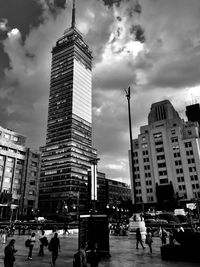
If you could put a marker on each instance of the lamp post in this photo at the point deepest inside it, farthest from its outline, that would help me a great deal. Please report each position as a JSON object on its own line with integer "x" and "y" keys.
{"x": 128, "y": 96}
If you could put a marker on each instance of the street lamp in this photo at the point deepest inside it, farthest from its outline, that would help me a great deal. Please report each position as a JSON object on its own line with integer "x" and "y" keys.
{"x": 128, "y": 96}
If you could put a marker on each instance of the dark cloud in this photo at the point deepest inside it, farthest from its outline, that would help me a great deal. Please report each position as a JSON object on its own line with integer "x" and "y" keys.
{"x": 138, "y": 31}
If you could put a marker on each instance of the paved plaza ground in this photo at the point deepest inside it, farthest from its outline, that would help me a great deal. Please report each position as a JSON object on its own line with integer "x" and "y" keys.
{"x": 122, "y": 249}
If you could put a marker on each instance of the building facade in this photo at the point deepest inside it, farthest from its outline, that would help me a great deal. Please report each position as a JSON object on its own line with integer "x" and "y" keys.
{"x": 166, "y": 158}
{"x": 193, "y": 112}
{"x": 15, "y": 175}
{"x": 67, "y": 155}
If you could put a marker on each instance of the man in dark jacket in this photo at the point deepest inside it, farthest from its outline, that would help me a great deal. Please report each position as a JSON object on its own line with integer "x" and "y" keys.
{"x": 9, "y": 254}
{"x": 54, "y": 247}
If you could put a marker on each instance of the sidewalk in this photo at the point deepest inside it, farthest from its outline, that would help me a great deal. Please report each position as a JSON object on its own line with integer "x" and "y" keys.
{"x": 122, "y": 250}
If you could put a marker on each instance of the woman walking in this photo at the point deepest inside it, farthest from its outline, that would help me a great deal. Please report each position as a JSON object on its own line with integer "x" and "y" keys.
{"x": 31, "y": 245}
{"x": 149, "y": 239}
{"x": 9, "y": 254}
{"x": 54, "y": 247}
{"x": 139, "y": 238}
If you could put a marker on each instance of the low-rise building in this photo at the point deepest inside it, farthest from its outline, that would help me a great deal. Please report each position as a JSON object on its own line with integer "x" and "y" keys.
{"x": 15, "y": 174}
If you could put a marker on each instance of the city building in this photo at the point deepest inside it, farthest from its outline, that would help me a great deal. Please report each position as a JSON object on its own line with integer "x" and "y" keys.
{"x": 18, "y": 178}
{"x": 193, "y": 112}
{"x": 166, "y": 158}
{"x": 68, "y": 153}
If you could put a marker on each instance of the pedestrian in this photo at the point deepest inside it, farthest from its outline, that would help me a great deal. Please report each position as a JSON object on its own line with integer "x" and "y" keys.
{"x": 43, "y": 243}
{"x": 4, "y": 235}
{"x": 149, "y": 239}
{"x": 80, "y": 258}
{"x": 31, "y": 245}
{"x": 65, "y": 229}
{"x": 163, "y": 235}
{"x": 9, "y": 252}
{"x": 171, "y": 237}
{"x": 139, "y": 238}
{"x": 94, "y": 256}
{"x": 54, "y": 247}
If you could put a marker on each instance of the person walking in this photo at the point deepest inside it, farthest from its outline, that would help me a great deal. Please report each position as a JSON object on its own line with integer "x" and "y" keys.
{"x": 139, "y": 238}
{"x": 80, "y": 257}
{"x": 4, "y": 235}
{"x": 163, "y": 235}
{"x": 9, "y": 252}
{"x": 31, "y": 245}
{"x": 149, "y": 239}
{"x": 43, "y": 243}
{"x": 54, "y": 247}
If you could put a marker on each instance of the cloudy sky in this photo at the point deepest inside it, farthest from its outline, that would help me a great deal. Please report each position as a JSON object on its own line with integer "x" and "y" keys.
{"x": 151, "y": 45}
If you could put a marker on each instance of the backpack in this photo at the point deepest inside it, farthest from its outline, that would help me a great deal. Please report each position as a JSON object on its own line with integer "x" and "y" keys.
{"x": 77, "y": 260}
{"x": 44, "y": 241}
{"x": 27, "y": 243}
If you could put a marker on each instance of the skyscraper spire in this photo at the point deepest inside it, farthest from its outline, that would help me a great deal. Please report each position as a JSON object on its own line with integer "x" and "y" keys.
{"x": 73, "y": 14}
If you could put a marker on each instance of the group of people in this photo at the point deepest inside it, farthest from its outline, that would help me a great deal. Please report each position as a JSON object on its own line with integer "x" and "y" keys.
{"x": 53, "y": 246}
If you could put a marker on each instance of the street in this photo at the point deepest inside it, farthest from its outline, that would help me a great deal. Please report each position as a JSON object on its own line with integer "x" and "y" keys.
{"x": 122, "y": 250}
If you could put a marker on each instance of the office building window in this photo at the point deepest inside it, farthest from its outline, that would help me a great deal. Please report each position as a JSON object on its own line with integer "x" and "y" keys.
{"x": 147, "y": 167}
{"x": 144, "y": 145}
{"x": 159, "y": 149}
{"x": 147, "y": 174}
{"x": 31, "y": 192}
{"x": 145, "y": 152}
{"x": 150, "y": 198}
{"x": 180, "y": 179}
{"x": 179, "y": 171}
{"x": 160, "y": 157}
{"x": 178, "y": 162}
{"x": 194, "y": 177}
{"x": 162, "y": 165}
{"x": 146, "y": 159}
{"x": 181, "y": 187}
{"x": 164, "y": 181}
{"x": 188, "y": 144}
{"x": 177, "y": 155}
{"x": 174, "y": 139}
{"x": 162, "y": 173}
{"x": 32, "y": 182}
{"x": 189, "y": 152}
{"x": 191, "y": 160}
{"x": 173, "y": 131}
{"x": 10, "y": 159}
{"x": 149, "y": 190}
{"x": 195, "y": 186}
{"x": 192, "y": 169}
{"x": 137, "y": 184}
{"x": 148, "y": 182}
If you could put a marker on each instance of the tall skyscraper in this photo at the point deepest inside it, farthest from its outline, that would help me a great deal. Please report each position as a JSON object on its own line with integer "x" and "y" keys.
{"x": 167, "y": 157}
{"x": 68, "y": 151}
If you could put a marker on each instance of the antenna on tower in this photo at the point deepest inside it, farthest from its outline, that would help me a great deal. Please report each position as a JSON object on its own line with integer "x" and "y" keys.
{"x": 73, "y": 15}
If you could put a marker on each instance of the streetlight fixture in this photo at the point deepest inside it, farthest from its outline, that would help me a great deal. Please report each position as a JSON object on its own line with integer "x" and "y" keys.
{"x": 128, "y": 96}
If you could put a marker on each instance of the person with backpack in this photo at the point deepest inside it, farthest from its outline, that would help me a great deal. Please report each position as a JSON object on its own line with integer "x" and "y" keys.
{"x": 54, "y": 247}
{"x": 149, "y": 239}
{"x": 80, "y": 258}
{"x": 31, "y": 245}
{"x": 43, "y": 243}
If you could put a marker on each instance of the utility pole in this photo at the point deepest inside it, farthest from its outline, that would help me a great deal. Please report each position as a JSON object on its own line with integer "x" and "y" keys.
{"x": 128, "y": 96}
